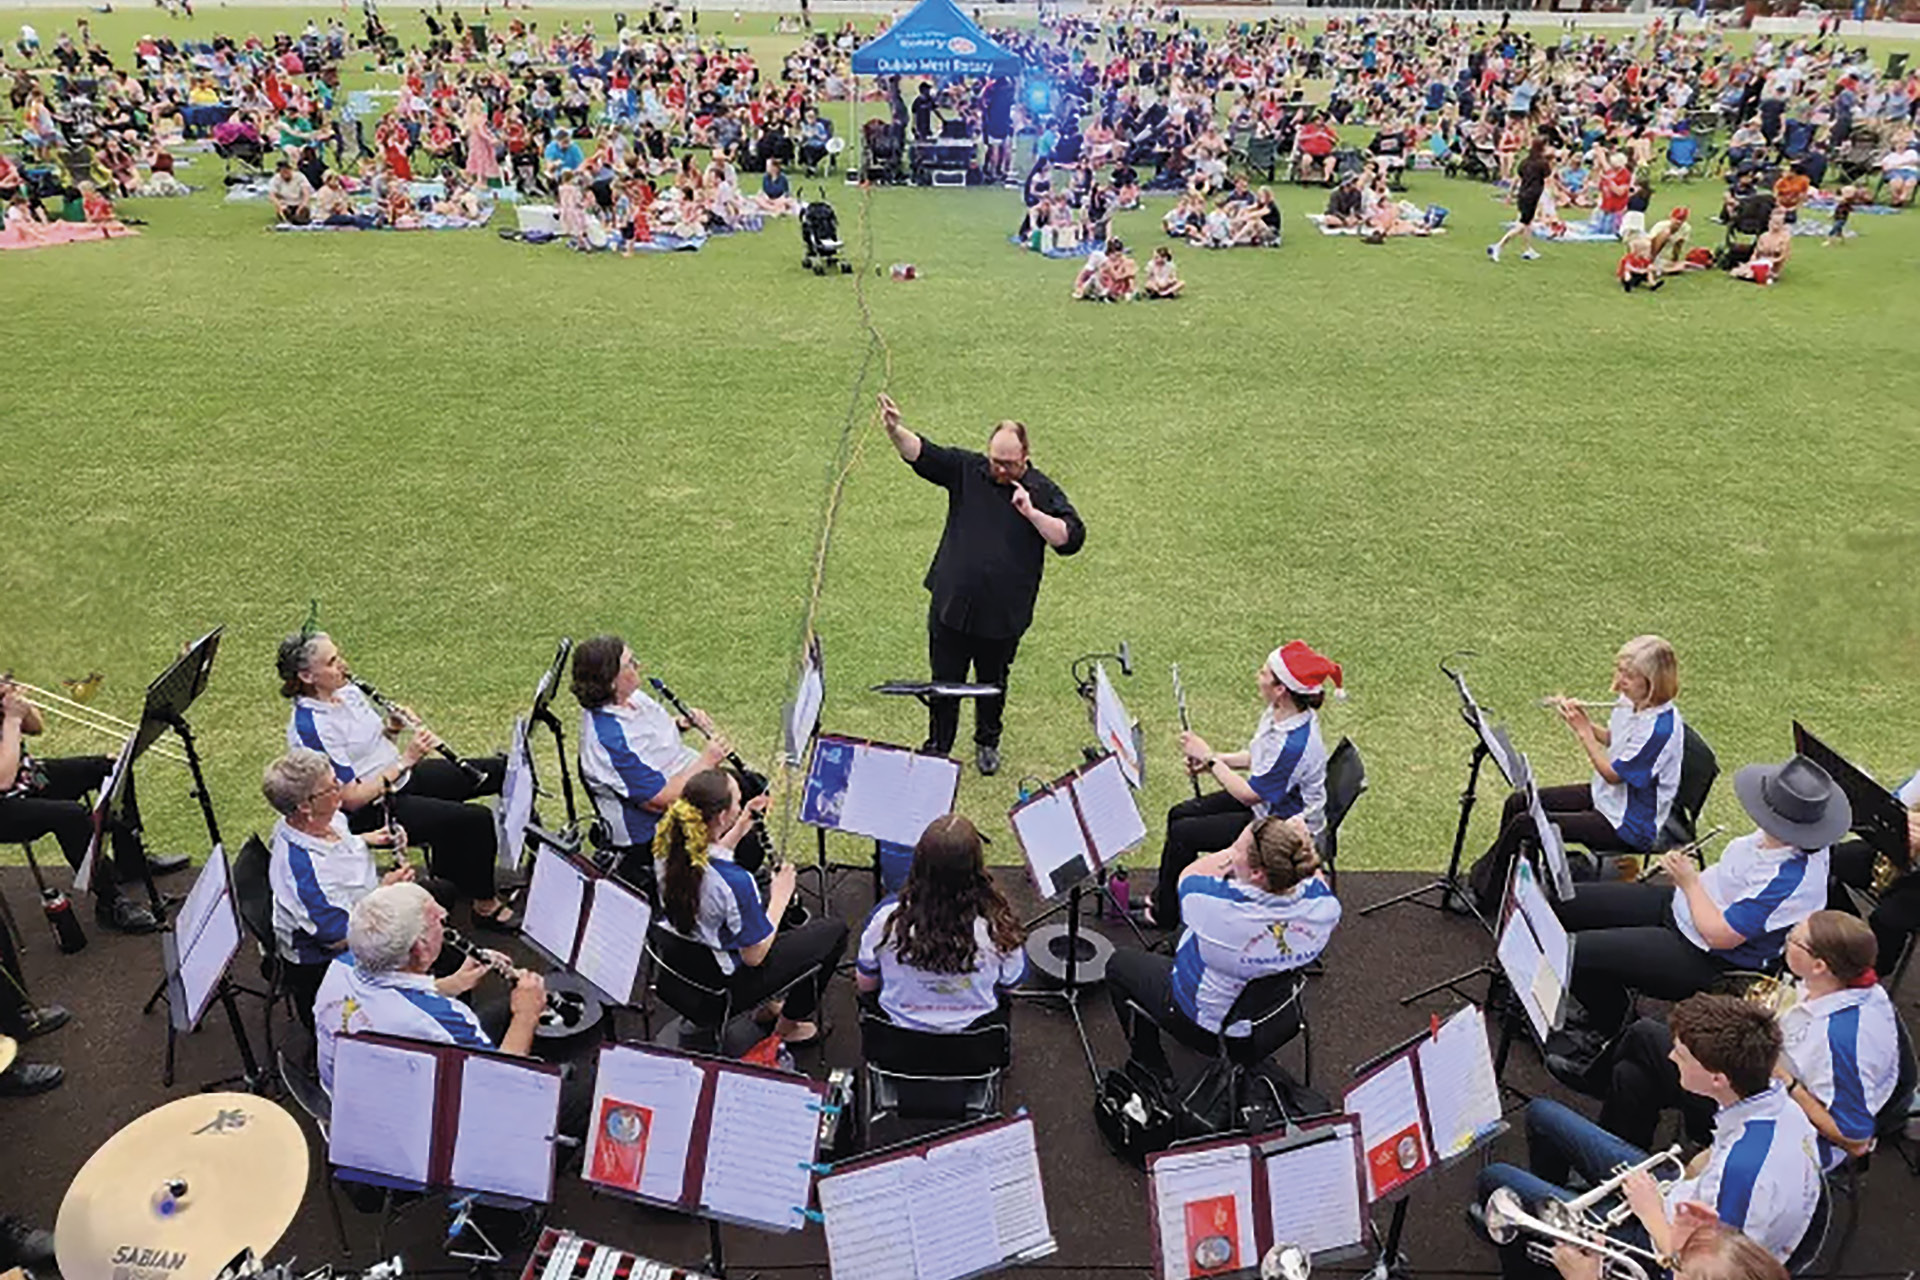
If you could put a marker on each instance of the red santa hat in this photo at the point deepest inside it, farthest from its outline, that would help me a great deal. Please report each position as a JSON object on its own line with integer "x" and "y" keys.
{"x": 1296, "y": 665}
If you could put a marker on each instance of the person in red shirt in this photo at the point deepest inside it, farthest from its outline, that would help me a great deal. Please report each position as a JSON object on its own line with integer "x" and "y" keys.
{"x": 1316, "y": 143}
{"x": 1636, "y": 266}
{"x": 1616, "y": 187}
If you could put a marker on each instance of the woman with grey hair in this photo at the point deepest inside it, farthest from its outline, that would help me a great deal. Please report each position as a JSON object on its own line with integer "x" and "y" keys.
{"x": 316, "y": 868}
{"x": 425, "y": 795}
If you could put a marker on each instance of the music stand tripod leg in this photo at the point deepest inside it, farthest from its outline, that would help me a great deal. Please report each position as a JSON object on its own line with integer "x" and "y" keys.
{"x": 1448, "y": 884}
{"x": 1389, "y": 1264}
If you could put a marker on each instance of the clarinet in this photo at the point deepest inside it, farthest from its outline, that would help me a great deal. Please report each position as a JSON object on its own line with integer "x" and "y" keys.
{"x": 559, "y": 1003}
{"x": 474, "y": 772}
{"x": 733, "y": 757}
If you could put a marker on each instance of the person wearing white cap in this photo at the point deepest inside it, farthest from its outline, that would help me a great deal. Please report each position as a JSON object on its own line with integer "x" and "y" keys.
{"x": 1282, "y": 773}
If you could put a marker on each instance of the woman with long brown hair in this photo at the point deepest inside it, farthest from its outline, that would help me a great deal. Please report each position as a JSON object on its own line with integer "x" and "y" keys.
{"x": 938, "y": 957}
{"x": 708, "y": 899}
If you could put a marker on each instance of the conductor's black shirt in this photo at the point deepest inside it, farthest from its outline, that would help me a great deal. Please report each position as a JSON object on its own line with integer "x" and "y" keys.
{"x": 986, "y": 574}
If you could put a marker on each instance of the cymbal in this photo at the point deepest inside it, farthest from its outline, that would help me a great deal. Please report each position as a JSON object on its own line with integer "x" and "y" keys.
{"x": 179, "y": 1192}
{"x": 9, "y": 1050}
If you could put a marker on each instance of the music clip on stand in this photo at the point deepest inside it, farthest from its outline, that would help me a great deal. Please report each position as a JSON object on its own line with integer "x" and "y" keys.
{"x": 1449, "y": 885}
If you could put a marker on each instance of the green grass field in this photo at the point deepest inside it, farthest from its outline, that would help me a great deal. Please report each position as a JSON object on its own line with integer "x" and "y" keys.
{"x": 466, "y": 448}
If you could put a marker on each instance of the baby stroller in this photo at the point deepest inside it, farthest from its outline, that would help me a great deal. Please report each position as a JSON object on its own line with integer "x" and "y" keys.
{"x": 820, "y": 233}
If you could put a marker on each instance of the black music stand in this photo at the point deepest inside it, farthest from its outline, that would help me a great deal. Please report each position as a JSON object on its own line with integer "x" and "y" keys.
{"x": 1070, "y": 950}
{"x": 169, "y": 698}
{"x": 1488, "y": 740}
{"x": 1081, "y": 669}
{"x": 542, "y": 714}
{"x": 1878, "y": 816}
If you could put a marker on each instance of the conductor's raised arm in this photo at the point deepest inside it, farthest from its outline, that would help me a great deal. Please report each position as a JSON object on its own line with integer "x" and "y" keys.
{"x": 905, "y": 442}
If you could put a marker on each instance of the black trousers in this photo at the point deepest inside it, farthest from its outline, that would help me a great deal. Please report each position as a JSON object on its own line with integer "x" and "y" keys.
{"x": 461, "y": 844}
{"x": 1194, "y": 827}
{"x": 1145, "y": 979}
{"x": 1643, "y": 1082}
{"x": 815, "y": 944}
{"x": 1570, "y": 808}
{"x": 1895, "y": 919}
{"x": 950, "y": 655}
{"x": 55, "y": 810}
{"x": 1627, "y": 941}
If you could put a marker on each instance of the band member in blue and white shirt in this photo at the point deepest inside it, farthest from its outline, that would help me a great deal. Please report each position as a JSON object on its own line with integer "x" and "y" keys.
{"x": 938, "y": 956}
{"x": 380, "y": 780}
{"x": 1840, "y": 1056}
{"x": 386, "y": 983}
{"x": 316, "y": 868}
{"x": 1258, "y": 909}
{"x": 1761, "y": 1174}
{"x": 632, "y": 760}
{"x": 1282, "y": 773}
{"x": 1636, "y": 772}
{"x": 712, "y": 925}
{"x": 1671, "y": 942}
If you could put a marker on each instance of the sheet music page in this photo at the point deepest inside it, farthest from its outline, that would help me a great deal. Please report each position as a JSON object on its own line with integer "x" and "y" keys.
{"x": 1392, "y": 1137}
{"x": 207, "y": 892}
{"x": 206, "y": 958}
{"x": 947, "y": 1213}
{"x": 805, "y": 715}
{"x": 760, "y": 1150}
{"x": 515, "y": 807}
{"x": 1113, "y": 726}
{"x": 666, "y": 1087}
{"x": 862, "y": 1212}
{"x": 509, "y": 1116}
{"x": 552, "y": 910}
{"x": 1456, "y": 1072}
{"x": 1107, "y": 805}
{"x": 893, "y": 793}
{"x": 382, "y": 1109}
{"x": 1208, "y": 1191}
{"x": 1011, "y": 1163}
{"x": 83, "y": 874}
{"x": 1050, "y": 836}
{"x": 1553, "y": 850}
{"x": 1548, "y": 932}
{"x": 614, "y": 941}
{"x": 1521, "y": 962}
{"x": 1313, "y": 1193}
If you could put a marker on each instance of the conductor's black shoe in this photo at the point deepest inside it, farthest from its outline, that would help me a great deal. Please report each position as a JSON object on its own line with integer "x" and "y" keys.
{"x": 123, "y": 915}
{"x": 988, "y": 758}
{"x": 168, "y": 863}
{"x": 39, "y": 1022}
{"x": 24, "y": 1079}
{"x": 24, "y": 1246}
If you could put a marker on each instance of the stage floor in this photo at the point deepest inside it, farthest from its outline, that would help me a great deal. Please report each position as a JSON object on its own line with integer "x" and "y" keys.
{"x": 1097, "y": 1204}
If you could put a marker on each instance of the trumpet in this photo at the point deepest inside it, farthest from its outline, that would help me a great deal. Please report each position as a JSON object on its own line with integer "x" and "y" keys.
{"x": 1654, "y": 868}
{"x": 1506, "y": 1217}
{"x": 1775, "y": 995}
{"x": 1578, "y": 1213}
{"x": 74, "y": 711}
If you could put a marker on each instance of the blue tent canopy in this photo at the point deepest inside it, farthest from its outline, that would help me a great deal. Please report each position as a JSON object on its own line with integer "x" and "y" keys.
{"x": 936, "y": 39}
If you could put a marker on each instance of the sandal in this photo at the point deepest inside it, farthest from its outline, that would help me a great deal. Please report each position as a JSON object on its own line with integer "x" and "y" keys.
{"x": 502, "y": 920}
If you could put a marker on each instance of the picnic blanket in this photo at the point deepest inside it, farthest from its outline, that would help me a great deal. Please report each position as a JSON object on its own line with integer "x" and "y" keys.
{"x": 1571, "y": 233}
{"x": 1320, "y": 220}
{"x": 1826, "y": 203}
{"x": 1080, "y": 250}
{"x": 47, "y": 235}
{"x": 428, "y": 222}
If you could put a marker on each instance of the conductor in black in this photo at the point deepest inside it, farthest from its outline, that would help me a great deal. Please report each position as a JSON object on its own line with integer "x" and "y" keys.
{"x": 1002, "y": 515}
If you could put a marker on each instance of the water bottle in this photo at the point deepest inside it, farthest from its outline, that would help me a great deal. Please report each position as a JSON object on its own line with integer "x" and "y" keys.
{"x": 65, "y": 924}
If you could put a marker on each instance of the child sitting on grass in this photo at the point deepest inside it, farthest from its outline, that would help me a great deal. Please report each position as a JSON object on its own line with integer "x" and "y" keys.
{"x": 1636, "y": 266}
{"x": 1163, "y": 280}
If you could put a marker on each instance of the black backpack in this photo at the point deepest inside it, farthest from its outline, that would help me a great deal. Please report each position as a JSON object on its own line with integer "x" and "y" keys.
{"x": 1133, "y": 1116}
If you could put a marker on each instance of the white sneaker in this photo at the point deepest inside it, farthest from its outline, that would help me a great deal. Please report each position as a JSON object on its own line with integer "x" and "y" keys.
{"x": 1529, "y": 255}
{"x": 1493, "y": 251}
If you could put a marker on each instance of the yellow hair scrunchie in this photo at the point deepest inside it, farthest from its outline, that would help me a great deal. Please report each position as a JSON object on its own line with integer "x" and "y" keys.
{"x": 693, "y": 833}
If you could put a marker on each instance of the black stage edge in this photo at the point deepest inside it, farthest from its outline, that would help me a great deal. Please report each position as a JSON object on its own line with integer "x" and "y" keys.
{"x": 1097, "y": 1204}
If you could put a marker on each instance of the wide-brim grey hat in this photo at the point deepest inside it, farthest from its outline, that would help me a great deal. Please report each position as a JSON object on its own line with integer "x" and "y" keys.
{"x": 1795, "y": 802}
